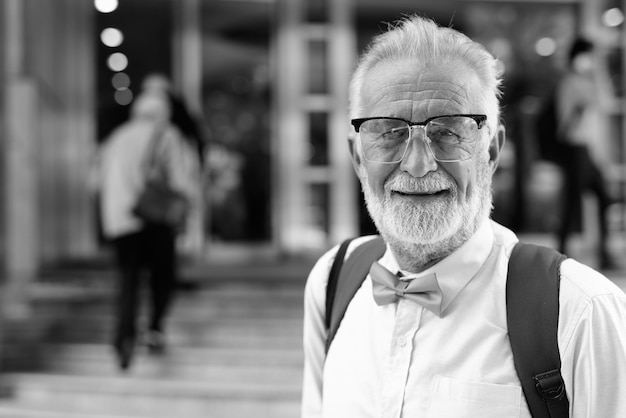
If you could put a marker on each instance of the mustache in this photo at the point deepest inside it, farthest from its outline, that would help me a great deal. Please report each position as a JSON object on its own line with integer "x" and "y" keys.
{"x": 433, "y": 181}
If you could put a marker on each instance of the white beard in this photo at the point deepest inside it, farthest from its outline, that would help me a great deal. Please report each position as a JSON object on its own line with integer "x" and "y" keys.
{"x": 424, "y": 233}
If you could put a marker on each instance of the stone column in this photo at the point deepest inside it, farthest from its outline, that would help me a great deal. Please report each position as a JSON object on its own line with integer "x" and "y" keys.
{"x": 344, "y": 212}
{"x": 20, "y": 167}
{"x": 187, "y": 77}
{"x": 303, "y": 27}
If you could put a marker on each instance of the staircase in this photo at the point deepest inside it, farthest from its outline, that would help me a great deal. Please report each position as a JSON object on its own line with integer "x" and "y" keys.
{"x": 234, "y": 350}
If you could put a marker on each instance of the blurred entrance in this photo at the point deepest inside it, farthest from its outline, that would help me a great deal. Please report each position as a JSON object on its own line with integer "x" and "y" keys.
{"x": 266, "y": 81}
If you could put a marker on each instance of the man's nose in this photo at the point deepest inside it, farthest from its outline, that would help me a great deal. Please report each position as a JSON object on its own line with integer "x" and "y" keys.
{"x": 418, "y": 159}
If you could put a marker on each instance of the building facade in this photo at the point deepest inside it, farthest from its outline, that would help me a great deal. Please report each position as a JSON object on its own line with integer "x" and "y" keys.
{"x": 267, "y": 83}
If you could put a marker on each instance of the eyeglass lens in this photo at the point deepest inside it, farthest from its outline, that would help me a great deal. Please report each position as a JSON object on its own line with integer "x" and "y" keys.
{"x": 451, "y": 138}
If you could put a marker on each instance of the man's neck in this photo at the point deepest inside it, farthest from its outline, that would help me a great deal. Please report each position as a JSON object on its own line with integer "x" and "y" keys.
{"x": 415, "y": 258}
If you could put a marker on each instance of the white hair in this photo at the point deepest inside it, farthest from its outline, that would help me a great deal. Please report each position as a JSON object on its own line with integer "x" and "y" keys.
{"x": 419, "y": 39}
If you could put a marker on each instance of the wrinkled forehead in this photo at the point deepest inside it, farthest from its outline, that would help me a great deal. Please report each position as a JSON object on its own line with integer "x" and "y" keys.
{"x": 408, "y": 89}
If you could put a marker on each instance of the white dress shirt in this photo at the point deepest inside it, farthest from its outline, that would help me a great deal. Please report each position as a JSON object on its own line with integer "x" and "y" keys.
{"x": 401, "y": 360}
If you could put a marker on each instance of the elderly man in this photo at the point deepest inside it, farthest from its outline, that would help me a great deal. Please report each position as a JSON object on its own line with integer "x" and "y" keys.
{"x": 427, "y": 140}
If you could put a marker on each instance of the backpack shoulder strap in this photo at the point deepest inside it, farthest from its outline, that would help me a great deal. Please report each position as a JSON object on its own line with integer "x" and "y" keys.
{"x": 345, "y": 278}
{"x": 532, "y": 301}
{"x": 333, "y": 277}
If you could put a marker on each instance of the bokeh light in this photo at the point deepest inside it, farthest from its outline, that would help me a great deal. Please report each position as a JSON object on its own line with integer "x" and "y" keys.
{"x": 613, "y": 17}
{"x": 545, "y": 47}
{"x": 112, "y": 37}
{"x": 120, "y": 81}
{"x": 117, "y": 62}
{"x": 105, "y": 6}
{"x": 123, "y": 97}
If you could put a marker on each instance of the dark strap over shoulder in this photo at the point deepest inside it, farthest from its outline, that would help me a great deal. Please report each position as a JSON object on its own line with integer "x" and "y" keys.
{"x": 340, "y": 291}
{"x": 532, "y": 304}
{"x": 333, "y": 278}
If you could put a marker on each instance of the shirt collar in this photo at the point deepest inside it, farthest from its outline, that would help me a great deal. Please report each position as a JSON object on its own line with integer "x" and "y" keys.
{"x": 456, "y": 270}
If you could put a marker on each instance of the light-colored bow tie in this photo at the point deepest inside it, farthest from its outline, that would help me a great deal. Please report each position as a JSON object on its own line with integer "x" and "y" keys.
{"x": 423, "y": 290}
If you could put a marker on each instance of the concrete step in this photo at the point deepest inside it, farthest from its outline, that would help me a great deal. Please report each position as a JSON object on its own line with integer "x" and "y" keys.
{"x": 182, "y": 308}
{"x": 194, "y": 315}
{"x": 218, "y": 409}
{"x": 139, "y": 397}
{"x": 219, "y": 337}
{"x": 290, "y": 321}
{"x": 13, "y": 409}
{"x": 195, "y": 271}
{"x": 226, "y": 365}
{"x": 238, "y": 356}
{"x": 39, "y": 386}
{"x": 235, "y": 299}
{"x": 239, "y": 341}
{"x": 91, "y": 291}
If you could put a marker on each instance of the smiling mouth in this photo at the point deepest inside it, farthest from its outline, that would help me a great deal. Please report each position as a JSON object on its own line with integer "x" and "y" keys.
{"x": 421, "y": 194}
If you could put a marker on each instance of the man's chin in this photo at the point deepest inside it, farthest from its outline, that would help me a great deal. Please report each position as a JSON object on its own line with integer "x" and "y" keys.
{"x": 431, "y": 226}
{"x": 423, "y": 237}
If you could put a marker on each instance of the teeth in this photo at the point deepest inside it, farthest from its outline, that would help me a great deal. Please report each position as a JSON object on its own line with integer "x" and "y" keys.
{"x": 419, "y": 192}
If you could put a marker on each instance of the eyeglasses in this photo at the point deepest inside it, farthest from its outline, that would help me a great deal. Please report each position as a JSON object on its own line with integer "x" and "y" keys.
{"x": 450, "y": 138}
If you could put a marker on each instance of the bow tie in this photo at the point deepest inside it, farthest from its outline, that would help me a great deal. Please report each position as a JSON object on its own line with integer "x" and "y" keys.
{"x": 388, "y": 288}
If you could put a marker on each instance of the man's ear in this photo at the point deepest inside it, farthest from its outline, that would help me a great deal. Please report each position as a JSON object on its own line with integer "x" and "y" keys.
{"x": 495, "y": 147}
{"x": 354, "y": 154}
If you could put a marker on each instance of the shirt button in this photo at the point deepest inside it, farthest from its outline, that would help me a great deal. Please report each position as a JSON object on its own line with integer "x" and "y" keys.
{"x": 402, "y": 341}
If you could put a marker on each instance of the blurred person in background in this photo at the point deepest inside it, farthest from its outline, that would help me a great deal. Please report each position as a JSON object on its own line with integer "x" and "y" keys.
{"x": 582, "y": 95}
{"x": 426, "y": 141}
{"x": 191, "y": 241}
{"x": 141, "y": 247}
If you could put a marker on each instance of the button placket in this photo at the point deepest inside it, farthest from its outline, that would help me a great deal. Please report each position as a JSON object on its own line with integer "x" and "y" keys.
{"x": 407, "y": 319}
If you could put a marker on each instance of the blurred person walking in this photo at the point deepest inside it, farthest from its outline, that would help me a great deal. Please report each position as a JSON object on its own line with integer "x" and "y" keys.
{"x": 191, "y": 241}
{"x": 141, "y": 246}
{"x": 582, "y": 93}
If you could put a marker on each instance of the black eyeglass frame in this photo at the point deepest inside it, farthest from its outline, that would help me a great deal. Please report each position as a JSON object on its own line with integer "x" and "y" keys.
{"x": 478, "y": 118}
